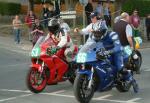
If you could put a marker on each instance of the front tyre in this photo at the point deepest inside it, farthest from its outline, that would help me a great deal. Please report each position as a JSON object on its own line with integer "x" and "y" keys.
{"x": 82, "y": 93}
{"x": 36, "y": 81}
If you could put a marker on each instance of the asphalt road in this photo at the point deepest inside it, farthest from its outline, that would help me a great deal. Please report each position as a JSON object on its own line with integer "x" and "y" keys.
{"x": 14, "y": 64}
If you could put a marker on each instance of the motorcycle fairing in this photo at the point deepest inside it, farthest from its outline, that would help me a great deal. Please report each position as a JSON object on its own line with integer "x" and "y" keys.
{"x": 87, "y": 55}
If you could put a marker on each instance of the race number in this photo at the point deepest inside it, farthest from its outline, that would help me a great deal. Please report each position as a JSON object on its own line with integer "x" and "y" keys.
{"x": 81, "y": 57}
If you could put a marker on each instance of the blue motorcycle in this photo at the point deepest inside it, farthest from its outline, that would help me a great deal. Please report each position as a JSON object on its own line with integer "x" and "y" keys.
{"x": 96, "y": 73}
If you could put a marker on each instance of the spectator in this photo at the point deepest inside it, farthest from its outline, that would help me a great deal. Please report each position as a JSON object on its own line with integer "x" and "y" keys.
{"x": 57, "y": 8}
{"x": 16, "y": 26}
{"x": 51, "y": 11}
{"x": 124, "y": 30}
{"x": 88, "y": 10}
{"x": 37, "y": 31}
{"x": 107, "y": 15}
{"x": 117, "y": 19}
{"x": 30, "y": 20}
{"x": 79, "y": 8}
{"x": 135, "y": 22}
{"x": 62, "y": 6}
{"x": 147, "y": 22}
{"x": 45, "y": 15}
{"x": 99, "y": 9}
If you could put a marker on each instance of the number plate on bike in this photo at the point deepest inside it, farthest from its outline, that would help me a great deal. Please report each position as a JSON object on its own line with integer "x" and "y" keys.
{"x": 81, "y": 58}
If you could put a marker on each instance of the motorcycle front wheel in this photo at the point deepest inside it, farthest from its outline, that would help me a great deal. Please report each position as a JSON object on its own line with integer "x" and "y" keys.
{"x": 81, "y": 91}
{"x": 36, "y": 81}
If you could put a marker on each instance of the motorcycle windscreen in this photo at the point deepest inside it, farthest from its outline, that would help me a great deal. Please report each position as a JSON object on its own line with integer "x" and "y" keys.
{"x": 45, "y": 41}
{"x": 42, "y": 44}
{"x": 88, "y": 52}
{"x": 36, "y": 49}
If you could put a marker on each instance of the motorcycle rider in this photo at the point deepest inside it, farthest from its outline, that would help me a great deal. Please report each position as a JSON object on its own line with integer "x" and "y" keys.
{"x": 61, "y": 37}
{"x": 114, "y": 48}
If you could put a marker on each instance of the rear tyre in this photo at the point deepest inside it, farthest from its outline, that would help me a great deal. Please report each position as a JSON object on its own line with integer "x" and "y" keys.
{"x": 139, "y": 62}
{"x": 81, "y": 91}
{"x": 36, "y": 81}
{"x": 123, "y": 86}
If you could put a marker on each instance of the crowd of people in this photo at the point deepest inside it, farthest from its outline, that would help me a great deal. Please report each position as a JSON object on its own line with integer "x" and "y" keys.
{"x": 103, "y": 10}
{"x": 38, "y": 25}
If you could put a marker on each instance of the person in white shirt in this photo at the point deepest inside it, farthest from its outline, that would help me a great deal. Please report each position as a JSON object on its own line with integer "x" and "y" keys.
{"x": 88, "y": 30}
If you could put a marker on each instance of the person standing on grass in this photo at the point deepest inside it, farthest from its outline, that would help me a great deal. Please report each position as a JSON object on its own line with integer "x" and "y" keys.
{"x": 16, "y": 28}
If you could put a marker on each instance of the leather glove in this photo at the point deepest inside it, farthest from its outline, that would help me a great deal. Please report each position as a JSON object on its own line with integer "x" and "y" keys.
{"x": 108, "y": 52}
{"x": 54, "y": 50}
{"x": 102, "y": 54}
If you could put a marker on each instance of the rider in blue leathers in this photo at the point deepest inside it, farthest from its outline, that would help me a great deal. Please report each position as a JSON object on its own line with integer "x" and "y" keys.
{"x": 113, "y": 47}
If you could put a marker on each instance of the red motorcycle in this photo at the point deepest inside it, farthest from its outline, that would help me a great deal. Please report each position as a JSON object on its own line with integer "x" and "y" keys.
{"x": 47, "y": 68}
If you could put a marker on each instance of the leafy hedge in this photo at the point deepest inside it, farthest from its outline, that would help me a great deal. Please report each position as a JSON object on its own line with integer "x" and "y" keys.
{"x": 9, "y": 8}
{"x": 143, "y": 6}
{"x": 40, "y": 1}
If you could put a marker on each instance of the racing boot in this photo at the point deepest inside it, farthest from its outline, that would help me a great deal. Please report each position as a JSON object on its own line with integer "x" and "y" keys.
{"x": 135, "y": 86}
{"x": 129, "y": 78}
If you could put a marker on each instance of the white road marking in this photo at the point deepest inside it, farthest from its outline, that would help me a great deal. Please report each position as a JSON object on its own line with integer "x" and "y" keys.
{"x": 60, "y": 95}
{"x": 102, "y": 98}
{"x": 133, "y": 100}
{"x": 115, "y": 101}
{"x": 12, "y": 98}
{"x": 147, "y": 70}
{"x": 60, "y": 91}
{"x": 8, "y": 90}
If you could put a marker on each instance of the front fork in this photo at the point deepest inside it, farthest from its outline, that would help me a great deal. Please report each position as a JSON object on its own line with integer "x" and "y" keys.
{"x": 41, "y": 68}
{"x": 91, "y": 78}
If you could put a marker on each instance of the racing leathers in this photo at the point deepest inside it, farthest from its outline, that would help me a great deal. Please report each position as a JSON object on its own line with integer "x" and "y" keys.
{"x": 64, "y": 41}
{"x": 112, "y": 44}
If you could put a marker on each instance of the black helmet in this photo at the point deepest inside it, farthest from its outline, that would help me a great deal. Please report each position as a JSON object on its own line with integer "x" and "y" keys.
{"x": 53, "y": 26}
{"x": 95, "y": 14}
{"x": 99, "y": 29}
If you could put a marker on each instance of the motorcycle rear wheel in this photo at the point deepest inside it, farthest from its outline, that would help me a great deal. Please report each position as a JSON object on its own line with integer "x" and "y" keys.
{"x": 35, "y": 81}
{"x": 138, "y": 67}
{"x": 81, "y": 91}
{"x": 123, "y": 86}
